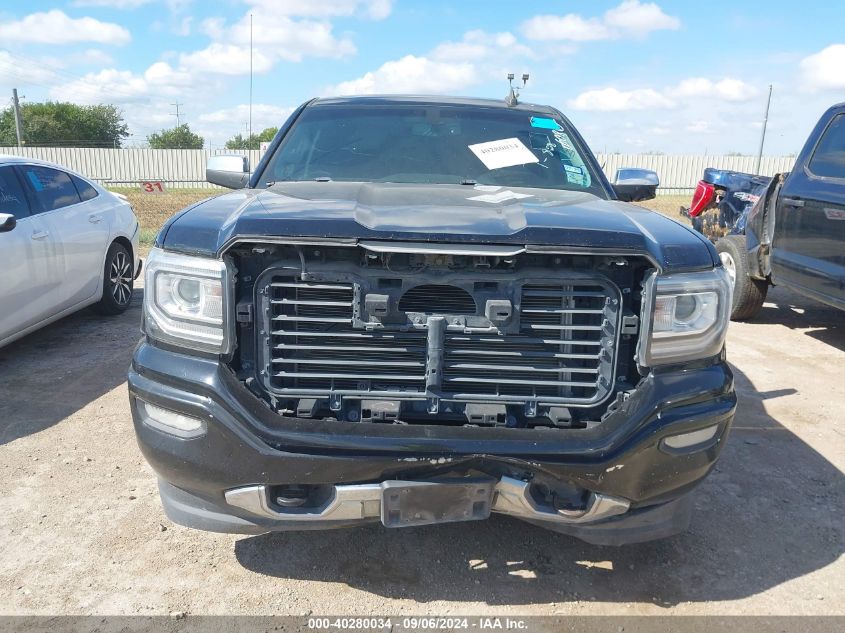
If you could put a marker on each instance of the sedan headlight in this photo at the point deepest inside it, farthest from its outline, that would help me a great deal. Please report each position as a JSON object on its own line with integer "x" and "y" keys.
{"x": 686, "y": 317}
{"x": 185, "y": 301}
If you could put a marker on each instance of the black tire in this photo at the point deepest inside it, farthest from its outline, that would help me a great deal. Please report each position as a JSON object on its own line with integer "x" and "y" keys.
{"x": 118, "y": 281}
{"x": 749, "y": 294}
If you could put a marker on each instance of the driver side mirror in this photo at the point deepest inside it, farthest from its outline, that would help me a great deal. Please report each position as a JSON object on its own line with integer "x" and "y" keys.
{"x": 633, "y": 185}
{"x": 231, "y": 171}
{"x": 7, "y": 222}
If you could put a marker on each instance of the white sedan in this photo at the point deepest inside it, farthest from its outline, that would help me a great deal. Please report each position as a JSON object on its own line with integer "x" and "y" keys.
{"x": 65, "y": 243}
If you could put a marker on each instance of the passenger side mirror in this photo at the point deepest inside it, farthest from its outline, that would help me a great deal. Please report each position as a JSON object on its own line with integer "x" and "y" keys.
{"x": 7, "y": 222}
{"x": 633, "y": 185}
{"x": 231, "y": 171}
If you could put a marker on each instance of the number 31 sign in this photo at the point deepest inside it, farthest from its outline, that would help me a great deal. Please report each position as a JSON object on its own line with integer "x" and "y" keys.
{"x": 152, "y": 186}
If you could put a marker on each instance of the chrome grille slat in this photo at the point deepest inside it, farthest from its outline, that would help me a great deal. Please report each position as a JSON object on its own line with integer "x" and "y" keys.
{"x": 331, "y": 375}
{"x": 529, "y": 368}
{"x": 337, "y": 361}
{"x": 311, "y": 303}
{"x": 496, "y": 381}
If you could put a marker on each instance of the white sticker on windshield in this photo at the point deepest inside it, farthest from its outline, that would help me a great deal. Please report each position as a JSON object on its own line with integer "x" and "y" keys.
{"x": 502, "y": 196}
{"x": 504, "y": 153}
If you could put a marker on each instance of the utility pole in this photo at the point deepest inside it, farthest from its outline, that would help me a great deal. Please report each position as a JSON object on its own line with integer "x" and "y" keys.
{"x": 250, "y": 76}
{"x": 176, "y": 105}
{"x": 18, "y": 122}
{"x": 763, "y": 133}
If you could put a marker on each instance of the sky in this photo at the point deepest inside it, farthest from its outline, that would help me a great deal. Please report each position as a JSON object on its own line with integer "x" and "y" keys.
{"x": 633, "y": 76}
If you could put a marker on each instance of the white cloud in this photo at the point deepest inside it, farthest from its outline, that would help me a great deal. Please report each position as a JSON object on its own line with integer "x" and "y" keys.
{"x": 728, "y": 89}
{"x": 631, "y": 19}
{"x": 824, "y": 70}
{"x": 111, "y": 4}
{"x": 639, "y": 19}
{"x": 411, "y": 74}
{"x": 263, "y": 115}
{"x": 275, "y": 37}
{"x": 615, "y": 100}
{"x": 571, "y": 27}
{"x": 15, "y": 73}
{"x": 699, "y": 126}
{"x": 448, "y": 68}
{"x": 225, "y": 59}
{"x": 694, "y": 89}
{"x": 379, "y": 9}
{"x": 55, "y": 27}
{"x": 479, "y": 45}
{"x": 373, "y": 9}
{"x": 91, "y": 57}
{"x": 283, "y": 38}
{"x": 183, "y": 28}
{"x": 108, "y": 85}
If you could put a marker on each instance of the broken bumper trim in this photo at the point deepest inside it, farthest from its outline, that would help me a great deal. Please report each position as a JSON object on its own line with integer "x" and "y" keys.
{"x": 364, "y": 501}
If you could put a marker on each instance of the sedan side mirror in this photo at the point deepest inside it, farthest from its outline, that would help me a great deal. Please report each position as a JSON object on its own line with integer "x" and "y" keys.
{"x": 7, "y": 222}
{"x": 633, "y": 185}
{"x": 231, "y": 171}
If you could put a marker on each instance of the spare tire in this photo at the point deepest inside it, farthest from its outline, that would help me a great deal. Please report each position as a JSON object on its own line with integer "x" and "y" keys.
{"x": 748, "y": 293}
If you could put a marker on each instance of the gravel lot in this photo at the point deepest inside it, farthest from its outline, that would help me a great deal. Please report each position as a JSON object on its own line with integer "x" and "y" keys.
{"x": 83, "y": 532}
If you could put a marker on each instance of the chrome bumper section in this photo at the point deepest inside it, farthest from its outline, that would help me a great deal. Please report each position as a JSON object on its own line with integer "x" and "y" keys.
{"x": 349, "y": 503}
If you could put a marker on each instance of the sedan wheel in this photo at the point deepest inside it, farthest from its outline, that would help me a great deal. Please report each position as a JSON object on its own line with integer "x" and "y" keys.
{"x": 120, "y": 278}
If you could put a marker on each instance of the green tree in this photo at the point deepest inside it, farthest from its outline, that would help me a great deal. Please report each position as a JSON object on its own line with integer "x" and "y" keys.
{"x": 58, "y": 124}
{"x": 253, "y": 141}
{"x": 179, "y": 137}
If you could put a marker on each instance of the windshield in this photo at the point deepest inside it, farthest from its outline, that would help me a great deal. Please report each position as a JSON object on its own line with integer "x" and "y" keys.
{"x": 442, "y": 144}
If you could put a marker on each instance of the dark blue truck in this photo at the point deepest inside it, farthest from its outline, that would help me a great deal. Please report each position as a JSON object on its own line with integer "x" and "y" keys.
{"x": 786, "y": 230}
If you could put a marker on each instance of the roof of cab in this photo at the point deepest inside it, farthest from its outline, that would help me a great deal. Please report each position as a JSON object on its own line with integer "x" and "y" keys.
{"x": 429, "y": 100}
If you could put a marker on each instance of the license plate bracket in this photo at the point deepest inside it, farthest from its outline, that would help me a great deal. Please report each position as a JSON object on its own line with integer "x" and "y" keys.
{"x": 411, "y": 503}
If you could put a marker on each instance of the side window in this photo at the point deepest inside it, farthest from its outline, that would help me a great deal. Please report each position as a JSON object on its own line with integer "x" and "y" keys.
{"x": 86, "y": 191}
{"x": 12, "y": 196}
{"x": 829, "y": 157}
{"x": 51, "y": 187}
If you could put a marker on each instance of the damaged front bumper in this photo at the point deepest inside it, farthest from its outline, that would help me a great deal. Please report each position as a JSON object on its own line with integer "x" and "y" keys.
{"x": 624, "y": 480}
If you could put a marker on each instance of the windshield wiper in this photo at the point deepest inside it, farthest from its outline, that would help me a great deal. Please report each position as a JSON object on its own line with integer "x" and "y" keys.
{"x": 468, "y": 181}
{"x": 322, "y": 179}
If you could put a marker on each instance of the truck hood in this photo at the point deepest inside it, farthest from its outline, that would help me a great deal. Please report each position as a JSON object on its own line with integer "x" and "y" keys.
{"x": 463, "y": 214}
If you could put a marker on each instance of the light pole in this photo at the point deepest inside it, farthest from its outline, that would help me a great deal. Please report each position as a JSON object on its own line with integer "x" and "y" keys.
{"x": 763, "y": 133}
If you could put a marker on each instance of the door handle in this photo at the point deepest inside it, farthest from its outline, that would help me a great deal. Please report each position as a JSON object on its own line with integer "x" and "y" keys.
{"x": 94, "y": 218}
{"x": 793, "y": 202}
{"x": 39, "y": 235}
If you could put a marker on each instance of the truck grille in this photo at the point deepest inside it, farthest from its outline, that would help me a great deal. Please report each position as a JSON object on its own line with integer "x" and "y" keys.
{"x": 561, "y": 353}
{"x": 558, "y": 352}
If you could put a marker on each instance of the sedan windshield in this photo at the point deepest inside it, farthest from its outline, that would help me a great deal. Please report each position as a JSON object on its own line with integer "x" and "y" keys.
{"x": 442, "y": 144}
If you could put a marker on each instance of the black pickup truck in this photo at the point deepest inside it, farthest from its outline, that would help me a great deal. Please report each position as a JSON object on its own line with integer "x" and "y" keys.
{"x": 420, "y": 310}
{"x": 790, "y": 231}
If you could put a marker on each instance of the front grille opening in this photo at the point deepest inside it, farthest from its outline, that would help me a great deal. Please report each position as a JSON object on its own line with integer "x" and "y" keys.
{"x": 561, "y": 350}
{"x": 437, "y": 299}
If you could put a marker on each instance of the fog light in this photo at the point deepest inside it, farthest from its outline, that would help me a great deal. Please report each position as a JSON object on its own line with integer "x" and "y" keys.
{"x": 170, "y": 421}
{"x": 693, "y": 438}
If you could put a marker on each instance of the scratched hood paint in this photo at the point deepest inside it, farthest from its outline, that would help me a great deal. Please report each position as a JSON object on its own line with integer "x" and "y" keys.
{"x": 436, "y": 213}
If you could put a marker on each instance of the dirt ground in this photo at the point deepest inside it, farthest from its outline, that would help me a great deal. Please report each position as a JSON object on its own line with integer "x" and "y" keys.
{"x": 82, "y": 530}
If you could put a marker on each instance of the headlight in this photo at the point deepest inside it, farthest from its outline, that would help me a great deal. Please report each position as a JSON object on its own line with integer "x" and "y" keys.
{"x": 686, "y": 317}
{"x": 185, "y": 301}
